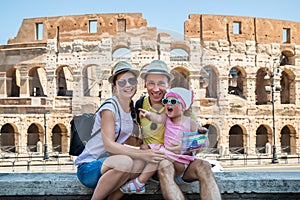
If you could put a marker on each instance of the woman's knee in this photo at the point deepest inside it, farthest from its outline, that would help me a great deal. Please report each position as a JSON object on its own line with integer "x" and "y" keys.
{"x": 120, "y": 162}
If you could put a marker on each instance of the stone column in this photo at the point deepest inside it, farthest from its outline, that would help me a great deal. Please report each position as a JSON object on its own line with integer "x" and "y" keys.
{"x": 3, "y": 91}
{"x": 24, "y": 86}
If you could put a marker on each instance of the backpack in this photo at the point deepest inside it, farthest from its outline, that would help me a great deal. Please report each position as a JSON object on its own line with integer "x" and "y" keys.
{"x": 81, "y": 129}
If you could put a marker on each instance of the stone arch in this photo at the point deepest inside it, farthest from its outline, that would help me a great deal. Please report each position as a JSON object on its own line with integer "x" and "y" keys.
{"x": 179, "y": 51}
{"x": 37, "y": 81}
{"x": 13, "y": 82}
{"x": 179, "y": 55}
{"x": 180, "y": 45}
{"x": 213, "y": 137}
{"x": 59, "y": 138}
{"x": 181, "y": 77}
{"x": 8, "y": 137}
{"x": 287, "y": 56}
{"x": 210, "y": 75}
{"x": 287, "y": 83}
{"x": 263, "y": 136}
{"x": 121, "y": 52}
{"x": 119, "y": 44}
{"x": 237, "y": 134}
{"x": 34, "y": 134}
{"x": 288, "y": 139}
{"x": 262, "y": 97}
{"x": 237, "y": 82}
{"x": 64, "y": 81}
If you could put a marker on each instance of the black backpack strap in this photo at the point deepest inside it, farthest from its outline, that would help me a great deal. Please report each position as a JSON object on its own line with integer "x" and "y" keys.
{"x": 139, "y": 104}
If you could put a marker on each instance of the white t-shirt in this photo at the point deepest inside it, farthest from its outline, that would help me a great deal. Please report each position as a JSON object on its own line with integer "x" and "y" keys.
{"x": 95, "y": 147}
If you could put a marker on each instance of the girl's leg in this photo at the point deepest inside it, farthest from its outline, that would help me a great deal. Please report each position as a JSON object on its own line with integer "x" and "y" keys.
{"x": 138, "y": 166}
{"x": 137, "y": 185}
{"x": 115, "y": 171}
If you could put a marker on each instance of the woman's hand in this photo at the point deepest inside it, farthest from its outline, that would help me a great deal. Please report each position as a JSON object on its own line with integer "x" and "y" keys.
{"x": 153, "y": 155}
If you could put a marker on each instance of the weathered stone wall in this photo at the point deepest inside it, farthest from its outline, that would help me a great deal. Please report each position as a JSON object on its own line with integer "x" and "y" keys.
{"x": 212, "y": 50}
{"x": 219, "y": 27}
{"x": 70, "y": 28}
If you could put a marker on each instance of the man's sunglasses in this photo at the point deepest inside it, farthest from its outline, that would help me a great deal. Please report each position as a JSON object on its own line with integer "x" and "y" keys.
{"x": 165, "y": 101}
{"x": 131, "y": 81}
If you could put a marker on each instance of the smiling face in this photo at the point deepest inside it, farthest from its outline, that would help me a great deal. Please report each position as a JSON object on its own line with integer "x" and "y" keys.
{"x": 126, "y": 85}
{"x": 157, "y": 85}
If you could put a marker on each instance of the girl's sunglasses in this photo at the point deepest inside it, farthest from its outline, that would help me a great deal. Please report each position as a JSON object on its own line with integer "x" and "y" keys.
{"x": 165, "y": 101}
{"x": 131, "y": 81}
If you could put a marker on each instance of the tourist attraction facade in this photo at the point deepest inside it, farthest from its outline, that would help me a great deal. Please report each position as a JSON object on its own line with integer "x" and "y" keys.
{"x": 243, "y": 70}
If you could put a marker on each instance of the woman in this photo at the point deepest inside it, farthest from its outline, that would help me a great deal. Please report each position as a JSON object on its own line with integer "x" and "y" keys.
{"x": 106, "y": 164}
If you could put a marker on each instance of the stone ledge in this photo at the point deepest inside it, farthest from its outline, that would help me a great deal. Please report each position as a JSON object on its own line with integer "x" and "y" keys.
{"x": 66, "y": 185}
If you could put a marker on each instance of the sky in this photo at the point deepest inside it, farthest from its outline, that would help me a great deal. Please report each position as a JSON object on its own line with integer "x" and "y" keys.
{"x": 164, "y": 14}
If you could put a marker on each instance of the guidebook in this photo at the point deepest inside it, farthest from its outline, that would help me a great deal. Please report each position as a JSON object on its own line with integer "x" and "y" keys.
{"x": 193, "y": 140}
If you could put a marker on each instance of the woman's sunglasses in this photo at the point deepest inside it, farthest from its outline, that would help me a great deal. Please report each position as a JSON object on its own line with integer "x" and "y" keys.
{"x": 131, "y": 81}
{"x": 165, "y": 101}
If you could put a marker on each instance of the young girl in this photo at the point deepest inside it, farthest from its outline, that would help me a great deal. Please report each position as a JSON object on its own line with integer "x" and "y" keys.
{"x": 176, "y": 102}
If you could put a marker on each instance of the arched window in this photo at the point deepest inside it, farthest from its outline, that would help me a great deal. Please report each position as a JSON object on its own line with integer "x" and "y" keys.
{"x": 287, "y": 83}
{"x": 212, "y": 138}
{"x": 179, "y": 55}
{"x": 64, "y": 82}
{"x": 8, "y": 138}
{"x": 236, "y": 141}
{"x": 181, "y": 78}
{"x": 91, "y": 84}
{"x": 56, "y": 139}
{"x": 210, "y": 76}
{"x": 33, "y": 137}
{"x": 121, "y": 54}
{"x": 261, "y": 139}
{"x": 37, "y": 82}
{"x": 13, "y": 82}
{"x": 262, "y": 97}
{"x": 237, "y": 82}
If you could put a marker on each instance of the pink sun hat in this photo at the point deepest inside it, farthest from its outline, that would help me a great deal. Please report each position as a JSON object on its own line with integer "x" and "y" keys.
{"x": 185, "y": 96}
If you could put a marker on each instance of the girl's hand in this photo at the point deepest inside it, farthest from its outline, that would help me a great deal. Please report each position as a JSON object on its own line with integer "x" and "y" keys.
{"x": 202, "y": 130}
{"x": 144, "y": 113}
{"x": 175, "y": 148}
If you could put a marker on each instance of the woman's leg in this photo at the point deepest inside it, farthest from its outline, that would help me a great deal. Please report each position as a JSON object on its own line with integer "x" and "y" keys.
{"x": 115, "y": 172}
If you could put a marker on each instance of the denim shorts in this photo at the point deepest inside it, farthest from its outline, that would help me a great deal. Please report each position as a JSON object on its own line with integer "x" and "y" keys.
{"x": 89, "y": 173}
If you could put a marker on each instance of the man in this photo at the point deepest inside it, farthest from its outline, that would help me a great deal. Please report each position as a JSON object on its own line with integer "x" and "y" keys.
{"x": 157, "y": 80}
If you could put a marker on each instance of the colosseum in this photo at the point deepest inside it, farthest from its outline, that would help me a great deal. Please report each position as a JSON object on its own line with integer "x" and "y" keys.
{"x": 243, "y": 71}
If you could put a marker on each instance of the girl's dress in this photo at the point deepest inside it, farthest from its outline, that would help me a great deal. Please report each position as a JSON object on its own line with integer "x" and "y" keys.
{"x": 174, "y": 132}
